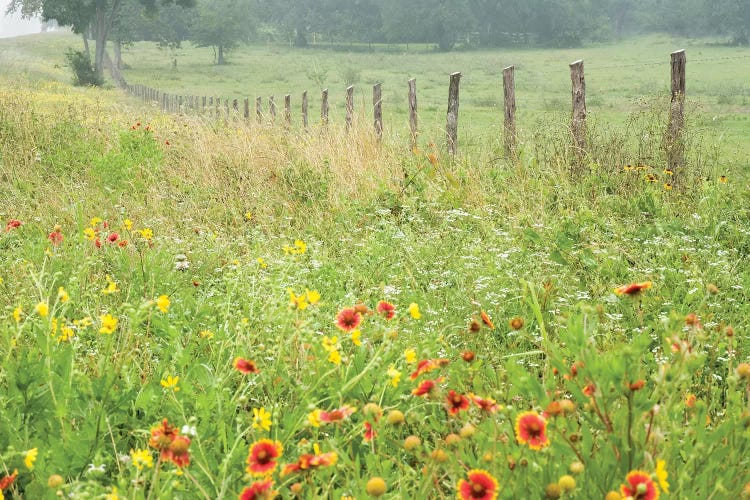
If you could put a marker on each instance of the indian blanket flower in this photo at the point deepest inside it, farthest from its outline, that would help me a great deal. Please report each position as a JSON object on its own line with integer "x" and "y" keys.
{"x": 414, "y": 310}
{"x": 163, "y": 303}
{"x": 479, "y": 485}
{"x": 56, "y": 236}
{"x": 162, "y": 436}
{"x": 261, "y": 419}
{"x": 171, "y": 383}
{"x": 370, "y": 433}
{"x": 261, "y": 460}
{"x": 113, "y": 237}
{"x": 661, "y": 475}
{"x": 428, "y": 365}
{"x": 633, "y": 288}
{"x": 12, "y": 224}
{"x": 426, "y": 387}
{"x": 386, "y": 309}
{"x": 348, "y": 319}
{"x": 485, "y": 404}
{"x": 30, "y": 457}
{"x": 109, "y": 324}
{"x": 336, "y": 415}
{"x": 531, "y": 429}
{"x": 245, "y": 365}
{"x": 259, "y": 490}
{"x": 455, "y": 402}
{"x": 141, "y": 459}
{"x": 639, "y": 486}
{"x": 179, "y": 452}
{"x": 311, "y": 462}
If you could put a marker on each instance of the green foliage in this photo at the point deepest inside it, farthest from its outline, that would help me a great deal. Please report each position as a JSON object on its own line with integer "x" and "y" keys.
{"x": 83, "y": 72}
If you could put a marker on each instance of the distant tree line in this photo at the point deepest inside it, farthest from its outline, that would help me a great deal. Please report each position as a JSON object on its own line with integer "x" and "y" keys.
{"x": 223, "y": 24}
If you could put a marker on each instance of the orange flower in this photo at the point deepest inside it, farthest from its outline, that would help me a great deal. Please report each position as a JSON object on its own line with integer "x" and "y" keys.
{"x": 259, "y": 490}
{"x": 633, "y": 288}
{"x": 162, "y": 437}
{"x": 336, "y": 415}
{"x": 12, "y": 224}
{"x": 245, "y": 365}
{"x": 531, "y": 429}
{"x": 456, "y": 402}
{"x": 479, "y": 486}
{"x": 311, "y": 462}
{"x": 56, "y": 237}
{"x": 639, "y": 486}
{"x": 348, "y": 319}
{"x": 386, "y": 309}
{"x": 8, "y": 480}
{"x": 486, "y": 320}
{"x": 427, "y": 365}
{"x": 261, "y": 459}
{"x": 178, "y": 451}
{"x": 369, "y": 432}
{"x": 516, "y": 323}
{"x": 426, "y": 387}
{"x": 488, "y": 404}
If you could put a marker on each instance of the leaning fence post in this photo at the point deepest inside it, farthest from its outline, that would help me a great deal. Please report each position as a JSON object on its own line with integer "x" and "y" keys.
{"x": 578, "y": 92}
{"x": 288, "y": 109}
{"x": 304, "y": 109}
{"x": 451, "y": 127}
{"x": 259, "y": 109}
{"x": 509, "y": 92}
{"x": 377, "y": 104}
{"x": 272, "y": 108}
{"x": 413, "y": 111}
{"x": 675, "y": 146}
{"x": 324, "y": 107}
{"x": 349, "y": 106}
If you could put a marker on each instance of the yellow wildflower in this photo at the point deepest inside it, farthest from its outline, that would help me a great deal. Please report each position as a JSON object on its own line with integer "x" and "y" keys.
{"x": 661, "y": 475}
{"x": 334, "y": 357}
{"x": 128, "y": 224}
{"x": 95, "y": 221}
{"x": 414, "y": 310}
{"x": 248, "y": 216}
{"x": 83, "y": 322}
{"x": 356, "y": 334}
{"x": 62, "y": 295}
{"x": 297, "y": 302}
{"x": 111, "y": 287}
{"x": 410, "y": 355}
{"x": 261, "y": 419}
{"x": 42, "y": 309}
{"x": 163, "y": 303}
{"x": 53, "y": 327}
{"x": 299, "y": 248}
{"x": 113, "y": 495}
{"x": 262, "y": 262}
{"x": 109, "y": 323}
{"x": 206, "y": 334}
{"x": 329, "y": 343}
{"x": 395, "y": 376}
{"x": 30, "y": 457}
{"x": 89, "y": 233}
{"x": 313, "y": 297}
{"x": 141, "y": 459}
{"x": 313, "y": 418}
{"x": 66, "y": 333}
{"x": 146, "y": 234}
{"x": 17, "y": 312}
{"x": 171, "y": 383}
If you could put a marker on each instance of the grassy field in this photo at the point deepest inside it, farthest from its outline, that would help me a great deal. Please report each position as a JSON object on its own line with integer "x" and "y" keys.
{"x": 194, "y": 308}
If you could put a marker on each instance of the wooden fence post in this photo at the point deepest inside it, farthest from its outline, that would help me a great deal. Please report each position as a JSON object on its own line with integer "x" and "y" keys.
{"x": 675, "y": 145}
{"x": 578, "y": 93}
{"x": 304, "y": 109}
{"x": 509, "y": 93}
{"x": 179, "y": 104}
{"x": 272, "y": 108}
{"x": 235, "y": 108}
{"x": 217, "y": 103}
{"x": 203, "y": 105}
{"x": 349, "y": 106}
{"x": 259, "y": 109}
{"x": 451, "y": 127}
{"x": 288, "y": 109}
{"x": 324, "y": 107}
{"x": 246, "y": 109}
{"x": 413, "y": 111}
{"x": 377, "y": 104}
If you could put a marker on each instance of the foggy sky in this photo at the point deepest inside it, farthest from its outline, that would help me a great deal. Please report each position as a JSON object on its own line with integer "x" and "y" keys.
{"x": 14, "y": 25}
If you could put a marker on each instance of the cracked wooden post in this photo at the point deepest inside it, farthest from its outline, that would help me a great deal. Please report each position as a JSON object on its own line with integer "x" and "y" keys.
{"x": 451, "y": 126}
{"x": 288, "y": 109}
{"x": 304, "y": 109}
{"x": 259, "y": 109}
{"x": 349, "y": 107}
{"x": 377, "y": 104}
{"x": 413, "y": 111}
{"x": 578, "y": 93}
{"x": 675, "y": 145}
{"x": 509, "y": 93}
{"x": 272, "y": 108}
{"x": 324, "y": 107}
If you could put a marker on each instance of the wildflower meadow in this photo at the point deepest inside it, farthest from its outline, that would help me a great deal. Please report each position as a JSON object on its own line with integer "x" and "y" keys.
{"x": 201, "y": 309}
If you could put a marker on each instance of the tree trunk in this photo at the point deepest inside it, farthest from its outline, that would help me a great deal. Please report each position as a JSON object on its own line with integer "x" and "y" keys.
{"x": 86, "y": 44}
{"x": 100, "y": 34}
{"x": 118, "y": 54}
{"x": 221, "y": 60}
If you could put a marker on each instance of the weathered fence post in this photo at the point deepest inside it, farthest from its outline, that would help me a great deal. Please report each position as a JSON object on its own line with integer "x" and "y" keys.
{"x": 246, "y": 109}
{"x": 413, "y": 111}
{"x": 272, "y": 108}
{"x": 203, "y": 105}
{"x": 259, "y": 109}
{"x": 288, "y": 109}
{"x": 179, "y": 104}
{"x": 217, "y": 103}
{"x": 509, "y": 93}
{"x": 235, "y": 108}
{"x": 377, "y": 104}
{"x": 324, "y": 107}
{"x": 304, "y": 109}
{"x": 675, "y": 145}
{"x": 349, "y": 106}
{"x": 578, "y": 92}
{"x": 451, "y": 127}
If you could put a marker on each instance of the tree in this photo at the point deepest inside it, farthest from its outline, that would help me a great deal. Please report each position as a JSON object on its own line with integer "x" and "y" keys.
{"x": 222, "y": 24}
{"x": 98, "y": 16}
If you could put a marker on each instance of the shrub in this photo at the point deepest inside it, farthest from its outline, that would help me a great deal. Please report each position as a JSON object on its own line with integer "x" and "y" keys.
{"x": 83, "y": 72}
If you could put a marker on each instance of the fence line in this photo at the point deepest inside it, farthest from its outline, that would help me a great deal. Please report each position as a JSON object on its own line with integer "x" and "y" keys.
{"x": 204, "y": 105}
